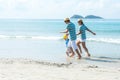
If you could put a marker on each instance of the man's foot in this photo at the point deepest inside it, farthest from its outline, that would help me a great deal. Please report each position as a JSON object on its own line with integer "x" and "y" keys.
{"x": 79, "y": 57}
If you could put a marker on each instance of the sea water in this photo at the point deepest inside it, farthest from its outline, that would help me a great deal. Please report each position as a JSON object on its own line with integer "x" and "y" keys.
{"x": 41, "y": 38}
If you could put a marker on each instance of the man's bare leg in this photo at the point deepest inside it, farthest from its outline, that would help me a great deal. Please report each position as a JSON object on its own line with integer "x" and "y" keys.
{"x": 72, "y": 52}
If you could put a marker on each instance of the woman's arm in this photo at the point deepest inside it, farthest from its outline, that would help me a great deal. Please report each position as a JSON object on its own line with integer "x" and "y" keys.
{"x": 91, "y": 31}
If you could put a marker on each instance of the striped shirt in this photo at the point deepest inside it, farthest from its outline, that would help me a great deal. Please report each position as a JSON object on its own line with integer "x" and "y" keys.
{"x": 72, "y": 31}
{"x": 83, "y": 29}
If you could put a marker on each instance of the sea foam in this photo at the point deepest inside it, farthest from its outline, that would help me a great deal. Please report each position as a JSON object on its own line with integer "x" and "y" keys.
{"x": 103, "y": 40}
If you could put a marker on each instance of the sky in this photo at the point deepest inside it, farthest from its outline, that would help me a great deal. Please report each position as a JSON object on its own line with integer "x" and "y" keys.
{"x": 58, "y": 9}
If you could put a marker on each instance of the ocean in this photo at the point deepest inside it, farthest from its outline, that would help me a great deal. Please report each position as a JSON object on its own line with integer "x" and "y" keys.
{"x": 41, "y": 38}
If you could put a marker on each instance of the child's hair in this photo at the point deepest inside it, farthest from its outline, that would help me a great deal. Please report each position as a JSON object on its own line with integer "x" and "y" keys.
{"x": 65, "y": 36}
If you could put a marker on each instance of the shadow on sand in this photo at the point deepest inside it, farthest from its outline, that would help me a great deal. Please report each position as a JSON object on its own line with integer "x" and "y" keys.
{"x": 101, "y": 60}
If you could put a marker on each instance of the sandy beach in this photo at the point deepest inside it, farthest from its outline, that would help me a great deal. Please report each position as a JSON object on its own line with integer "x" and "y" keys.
{"x": 26, "y": 69}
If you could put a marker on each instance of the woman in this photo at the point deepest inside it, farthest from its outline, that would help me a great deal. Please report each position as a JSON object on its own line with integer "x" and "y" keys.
{"x": 82, "y": 31}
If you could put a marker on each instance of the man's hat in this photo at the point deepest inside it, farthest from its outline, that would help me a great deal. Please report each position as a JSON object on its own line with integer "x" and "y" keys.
{"x": 66, "y": 19}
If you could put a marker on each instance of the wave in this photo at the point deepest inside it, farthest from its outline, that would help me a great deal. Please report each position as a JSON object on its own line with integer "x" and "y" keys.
{"x": 31, "y": 37}
{"x": 108, "y": 31}
{"x": 105, "y": 40}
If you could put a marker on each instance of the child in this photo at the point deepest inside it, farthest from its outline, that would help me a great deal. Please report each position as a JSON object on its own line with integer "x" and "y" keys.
{"x": 69, "y": 50}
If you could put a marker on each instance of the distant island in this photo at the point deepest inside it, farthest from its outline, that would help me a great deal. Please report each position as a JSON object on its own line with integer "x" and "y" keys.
{"x": 93, "y": 17}
{"x": 86, "y": 17}
{"x": 77, "y": 16}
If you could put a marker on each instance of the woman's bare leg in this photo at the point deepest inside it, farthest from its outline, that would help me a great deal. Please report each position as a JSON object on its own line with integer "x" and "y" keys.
{"x": 85, "y": 48}
{"x": 79, "y": 47}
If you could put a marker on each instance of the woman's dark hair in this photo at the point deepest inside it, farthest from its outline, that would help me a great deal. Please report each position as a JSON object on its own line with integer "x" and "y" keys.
{"x": 80, "y": 21}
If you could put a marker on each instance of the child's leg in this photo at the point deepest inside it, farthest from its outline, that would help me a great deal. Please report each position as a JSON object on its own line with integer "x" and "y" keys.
{"x": 67, "y": 53}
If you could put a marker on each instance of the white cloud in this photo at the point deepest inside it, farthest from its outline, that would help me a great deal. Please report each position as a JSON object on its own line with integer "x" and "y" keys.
{"x": 105, "y": 8}
{"x": 58, "y": 8}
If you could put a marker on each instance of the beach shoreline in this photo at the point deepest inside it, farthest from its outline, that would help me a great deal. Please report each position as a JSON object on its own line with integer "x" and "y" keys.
{"x": 26, "y": 69}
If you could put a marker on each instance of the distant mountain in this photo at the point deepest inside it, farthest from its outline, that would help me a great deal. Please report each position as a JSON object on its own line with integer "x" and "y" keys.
{"x": 77, "y": 16}
{"x": 86, "y": 17}
{"x": 93, "y": 17}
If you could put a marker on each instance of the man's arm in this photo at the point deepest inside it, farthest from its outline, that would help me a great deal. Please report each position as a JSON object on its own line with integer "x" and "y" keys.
{"x": 91, "y": 31}
{"x": 66, "y": 31}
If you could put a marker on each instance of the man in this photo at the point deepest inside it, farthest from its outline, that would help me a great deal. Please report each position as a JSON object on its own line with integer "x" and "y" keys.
{"x": 72, "y": 31}
{"x": 82, "y": 31}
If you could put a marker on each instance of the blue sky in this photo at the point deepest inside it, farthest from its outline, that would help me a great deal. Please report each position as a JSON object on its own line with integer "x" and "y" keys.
{"x": 59, "y": 9}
